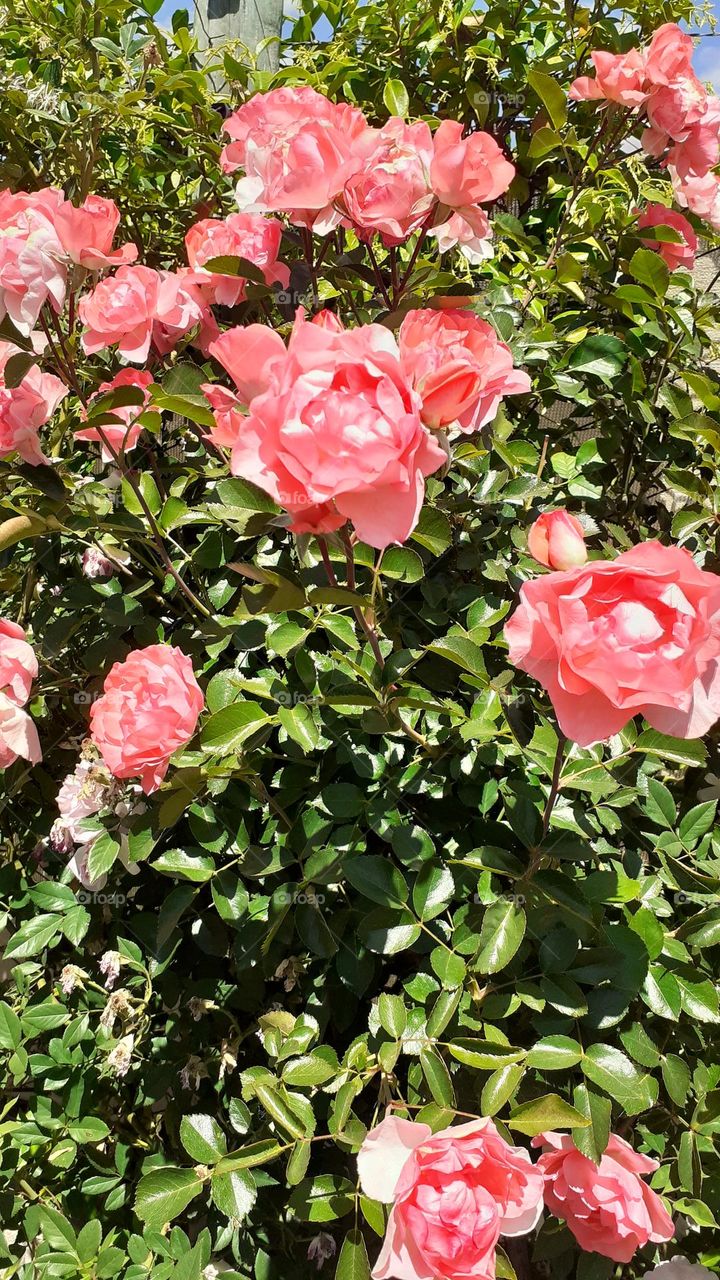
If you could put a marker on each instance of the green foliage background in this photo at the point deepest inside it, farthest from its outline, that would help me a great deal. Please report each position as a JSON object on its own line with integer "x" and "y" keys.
{"x": 346, "y": 894}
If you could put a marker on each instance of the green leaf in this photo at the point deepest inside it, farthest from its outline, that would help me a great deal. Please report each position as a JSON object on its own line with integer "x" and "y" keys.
{"x": 503, "y": 929}
{"x": 226, "y": 731}
{"x": 649, "y": 269}
{"x": 392, "y": 1014}
{"x": 395, "y": 97}
{"x": 690, "y": 752}
{"x": 353, "y": 1261}
{"x": 500, "y": 1087}
{"x": 615, "y": 1074}
{"x": 433, "y": 891}
{"x": 377, "y": 879}
{"x": 203, "y": 1139}
{"x": 552, "y": 95}
{"x": 555, "y": 1053}
{"x": 194, "y": 867}
{"x": 599, "y": 354}
{"x": 592, "y": 1139}
{"x": 437, "y": 1077}
{"x": 10, "y": 1033}
{"x": 546, "y": 1114}
{"x": 165, "y": 1193}
{"x": 322, "y": 1199}
{"x": 33, "y": 936}
{"x": 103, "y": 855}
{"x": 234, "y": 1193}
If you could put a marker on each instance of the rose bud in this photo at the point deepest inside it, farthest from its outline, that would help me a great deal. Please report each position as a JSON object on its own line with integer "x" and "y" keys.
{"x": 557, "y": 540}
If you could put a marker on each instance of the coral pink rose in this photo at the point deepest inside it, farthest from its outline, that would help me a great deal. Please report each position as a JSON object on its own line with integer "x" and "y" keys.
{"x": 700, "y": 195}
{"x": 149, "y": 708}
{"x": 467, "y": 171}
{"x": 557, "y": 540}
{"x": 453, "y": 1194}
{"x": 638, "y": 635}
{"x": 459, "y": 367}
{"x": 137, "y": 307}
{"x": 618, "y": 78}
{"x": 608, "y": 1207}
{"x": 124, "y": 432}
{"x": 669, "y": 55}
{"x": 391, "y": 194}
{"x": 18, "y": 664}
{"x": 297, "y": 149}
{"x": 25, "y": 408}
{"x": 242, "y": 235}
{"x": 333, "y": 431}
{"x": 675, "y": 255}
{"x": 470, "y": 229}
{"x": 87, "y": 233}
{"x": 18, "y": 734}
{"x": 33, "y": 269}
{"x": 328, "y": 320}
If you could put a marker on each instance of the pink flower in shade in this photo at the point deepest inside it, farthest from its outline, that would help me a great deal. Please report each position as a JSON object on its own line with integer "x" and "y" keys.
{"x": 467, "y": 171}
{"x": 470, "y": 229}
{"x": 18, "y": 735}
{"x": 25, "y": 408}
{"x": 557, "y": 540}
{"x": 18, "y": 664}
{"x": 149, "y": 708}
{"x": 137, "y": 307}
{"x": 458, "y": 366}
{"x": 333, "y": 431}
{"x": 125, "y": 431}
{"x": 675, "y": 255}
{"x": 639, "y": 635}
{"x": 391, "y": 194}
{"x": 607, "y": 1207}
{"x": 453, "y": 1193}
{"x": 242, "y": 235}
{"x": 618, "y": 78}
{"x": 87, "y": 233}
{"x": 297, "y": 149}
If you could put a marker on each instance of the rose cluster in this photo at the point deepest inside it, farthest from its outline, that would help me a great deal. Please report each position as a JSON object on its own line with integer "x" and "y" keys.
{"x": 454, "y": 1193}
{"x": 682, "y": 119}
{"x": 322, "y": 165}
{"x": 342, "y": 424}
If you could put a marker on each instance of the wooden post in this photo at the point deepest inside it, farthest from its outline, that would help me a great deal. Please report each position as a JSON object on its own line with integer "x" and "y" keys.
{"x": 247, "y": 21}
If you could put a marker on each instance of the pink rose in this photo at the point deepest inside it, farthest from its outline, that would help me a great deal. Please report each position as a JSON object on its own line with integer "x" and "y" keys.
{"x": 453, "y": 1194}
{"x": 333, "y": 431}
{"x": 470, "y": 229}
{"x": 674, "y": 255}
{"x": 18, "y": 664}
{"x": 137, "y": 307}
{"x": 458, "y": 366}
{"x": 608, "y": 1207}
{"x": 242, "y": 235}
{"x": 467, "y": 171}
{"x": 18, "y": 734}
{"x": 25, "y": 408}
{"x": 86, "y": 234}
{"x": 557, "y": 540}
{"x": 297, "y": 149}
{"x": 391, "y": 194}
{"x": 33, "y": 270}
{"x": 638, "y": 635}
{"x": 618, "y": 78}
{"x": 328, "y": 320}
{"x": 669, "y": 55}
{"x": 124, "y": 432}
{"x": 149, "y": 708}
{"x": 700, "y": 195}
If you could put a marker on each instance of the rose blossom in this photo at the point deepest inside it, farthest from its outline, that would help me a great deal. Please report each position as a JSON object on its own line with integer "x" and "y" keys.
{"x": 638, "y": 635}
{"x": 33, "y": 268}
{"x": 18, "y": 664}
{"x": 18, "y": 734}
{"x": 297, "y": 149}
{"x": 470, "y": 230}
{"x": 700, "y": 195}
{"x": 453, "y": 1194}
{"x": 149, "y": 708}
{"x": 673, "y": 254}
{"x": 557, "y": 540}
{"x": 607, "y": 1207}
{"x": 333, "y": 431}
{"x": 679, "y": 1269}
{"x": 86, "y": 234}
{"x": 242, "y": 235}
{"x": 467, "y": 171}
{"x": 137, "y": 306}
{"x": 25, "y": 408}
{"x": 458, "y": 366}
{"x": 123, "y": 434}
{"x": 391, "y": 194}
{"x": 618, "y": 78}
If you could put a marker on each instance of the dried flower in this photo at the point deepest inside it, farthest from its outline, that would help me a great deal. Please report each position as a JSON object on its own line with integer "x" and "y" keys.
{"x": 110, "y": 964}
{"x": 320, "y": 1248}
{"x": 120, "y": 1057}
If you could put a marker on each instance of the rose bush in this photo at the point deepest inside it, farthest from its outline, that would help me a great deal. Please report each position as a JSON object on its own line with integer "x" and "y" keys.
{"x": 359, "y": 646}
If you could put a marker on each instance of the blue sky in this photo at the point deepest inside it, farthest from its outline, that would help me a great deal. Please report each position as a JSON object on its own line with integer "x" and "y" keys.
{"x": 707, "y": 56}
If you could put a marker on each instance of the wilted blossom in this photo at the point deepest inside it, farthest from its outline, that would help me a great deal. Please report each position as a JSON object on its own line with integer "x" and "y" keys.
{"x": 96, "y": 565}
{"x": 118, "y": 1007}
{"x": 110, "y": 963}
{"x": 71, "y": 977}
{"x": 192, "y": 1073}
{"x": 120, "y": 1057}
{"x": 320, "y": 1249}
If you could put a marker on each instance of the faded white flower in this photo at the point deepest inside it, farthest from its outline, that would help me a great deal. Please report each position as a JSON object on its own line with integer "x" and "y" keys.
{"x": 289, "y": 971}
{"x": 228, "y": 1056}
{"x": 192, "y": 1073}
{"x": 110, "y": 963}
{"x": 199, "y": 1007}
{"x": 71, "y": 977}
{"x": 321, "y": 1248}
{"x": 118, "y": 1006}
{"x": 120, "y": 1057}
{"x": 679, "y": 1269}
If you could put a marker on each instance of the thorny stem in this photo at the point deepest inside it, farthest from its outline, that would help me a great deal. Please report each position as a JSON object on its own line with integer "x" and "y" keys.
{"x": 554, "y": 785}
{"x": 366, "y": 625}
